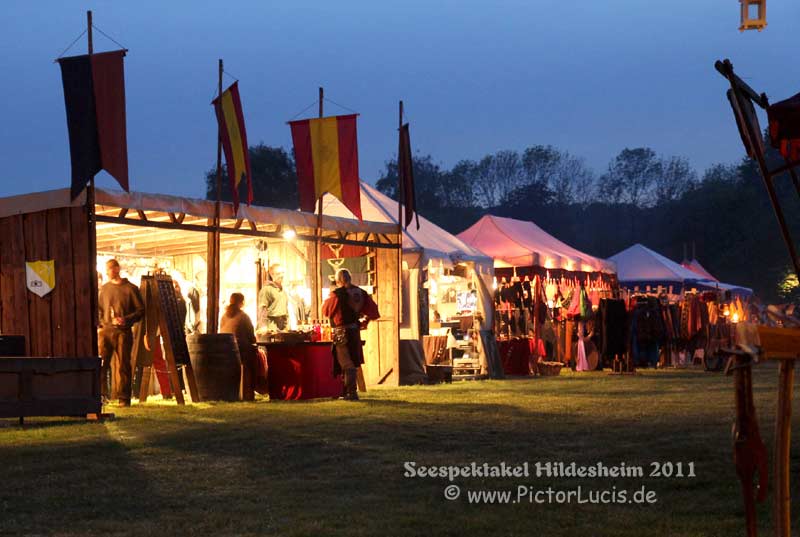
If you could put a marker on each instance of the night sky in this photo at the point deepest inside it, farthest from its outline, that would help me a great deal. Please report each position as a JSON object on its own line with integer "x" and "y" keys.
{"x": 590, "y": 77}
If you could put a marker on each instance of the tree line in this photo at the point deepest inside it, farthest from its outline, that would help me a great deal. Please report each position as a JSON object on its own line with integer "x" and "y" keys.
{"x": 659, "y": 201}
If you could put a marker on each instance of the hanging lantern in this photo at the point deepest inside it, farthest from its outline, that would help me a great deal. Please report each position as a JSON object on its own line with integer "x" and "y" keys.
{"x": 753, "y": 15}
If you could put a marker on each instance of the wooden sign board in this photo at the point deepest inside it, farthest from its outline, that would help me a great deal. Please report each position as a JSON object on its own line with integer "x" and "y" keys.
{"x": 171, "y": 328}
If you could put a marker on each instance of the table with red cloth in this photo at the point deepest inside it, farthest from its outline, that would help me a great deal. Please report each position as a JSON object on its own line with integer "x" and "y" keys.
{"x": 515, "y": 354}
{"x": 301, "y": 371}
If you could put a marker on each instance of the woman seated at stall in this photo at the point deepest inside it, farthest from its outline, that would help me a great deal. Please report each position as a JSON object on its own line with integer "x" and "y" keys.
{"x": 235, "y": 321}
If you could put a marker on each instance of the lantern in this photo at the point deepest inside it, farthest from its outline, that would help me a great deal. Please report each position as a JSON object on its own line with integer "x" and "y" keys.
{"x": 758, "y": 10}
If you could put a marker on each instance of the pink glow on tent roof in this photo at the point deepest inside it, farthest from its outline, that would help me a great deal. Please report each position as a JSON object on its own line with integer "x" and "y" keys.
{"x": 695, "y": 266}
{"x": 520, "y": 243}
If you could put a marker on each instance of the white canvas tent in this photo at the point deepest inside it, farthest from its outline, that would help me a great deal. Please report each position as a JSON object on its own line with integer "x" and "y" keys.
{"x": 423, "y": 247}
{"x": 639, "y": 266}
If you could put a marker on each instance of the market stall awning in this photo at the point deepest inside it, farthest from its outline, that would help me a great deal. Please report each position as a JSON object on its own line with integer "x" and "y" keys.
{"x": 429, "y": 242}
{"x": 118, "y": 211}
{"x": 518, "y": 243}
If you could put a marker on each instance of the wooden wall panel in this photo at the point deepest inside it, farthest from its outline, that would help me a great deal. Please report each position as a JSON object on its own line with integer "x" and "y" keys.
{"x": 59, "y": 233}
{"x": 383, "y": 336}
{"x": 39, "y": 308}
{"x": 13, "y": 300}
{"x": 85, "y": 271}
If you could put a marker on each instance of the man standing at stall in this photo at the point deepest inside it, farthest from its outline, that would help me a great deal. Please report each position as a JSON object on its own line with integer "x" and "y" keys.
{"x": 120, "y": 306}
{"x": 273, "y": 303}
{"x": 349, "y": 309}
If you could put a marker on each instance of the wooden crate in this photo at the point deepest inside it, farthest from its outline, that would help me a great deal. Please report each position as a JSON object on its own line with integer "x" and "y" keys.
{"x": 779, "y": 343}
{"x": 49, "y": 387}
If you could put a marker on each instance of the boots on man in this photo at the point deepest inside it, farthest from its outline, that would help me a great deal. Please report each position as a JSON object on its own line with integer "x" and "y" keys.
{"x": 351, "y": 384}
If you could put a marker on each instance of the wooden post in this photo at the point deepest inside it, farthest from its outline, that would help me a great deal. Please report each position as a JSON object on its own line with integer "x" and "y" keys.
{"x": 401, "y": 198}
{"x": 319, "y": 283}
{"x": 783, "y": 434}
{"x": 739, "y": 88}
{"x": 213, "y": 264}
{"x": 93, "y": 286}
{"x": 89, "y": 31}
{"x": 400, "y": 203}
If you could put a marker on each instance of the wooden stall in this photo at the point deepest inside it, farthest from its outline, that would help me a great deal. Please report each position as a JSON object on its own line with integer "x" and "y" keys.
{"x": 49, "y": 226}
{"x": 37, "y": 229}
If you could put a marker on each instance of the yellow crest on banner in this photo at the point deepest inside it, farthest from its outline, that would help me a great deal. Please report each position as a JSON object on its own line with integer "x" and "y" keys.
{"x": 41, "y": 276}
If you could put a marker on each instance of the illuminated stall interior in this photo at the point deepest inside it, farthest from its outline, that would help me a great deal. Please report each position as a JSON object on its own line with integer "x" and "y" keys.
{"x": 452, "y": 293}
{"x": 148, "y": 233}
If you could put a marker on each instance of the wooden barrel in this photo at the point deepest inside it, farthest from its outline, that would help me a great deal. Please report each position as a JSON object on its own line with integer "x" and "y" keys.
{"x": 216, "y": 364}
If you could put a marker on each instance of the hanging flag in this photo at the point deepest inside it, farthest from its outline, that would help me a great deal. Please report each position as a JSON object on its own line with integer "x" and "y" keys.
{"x": 94, "y": 95}
{"x": 230, "y": 118}
{"x": 405, "y": 177}
{"x": 326, "y": 153}
{"x": 41, "y": 276}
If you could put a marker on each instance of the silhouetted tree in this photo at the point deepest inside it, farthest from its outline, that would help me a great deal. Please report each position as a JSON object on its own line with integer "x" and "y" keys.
{"x": 274, "y": 179}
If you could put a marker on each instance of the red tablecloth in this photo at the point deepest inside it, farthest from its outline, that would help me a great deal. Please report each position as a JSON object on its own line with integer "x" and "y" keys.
{"x": 301, "y": 371}
{"x": 515, "y": 353}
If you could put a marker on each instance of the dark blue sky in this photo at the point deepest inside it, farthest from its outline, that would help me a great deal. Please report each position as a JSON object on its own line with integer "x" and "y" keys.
{"x": 587, "y": 76}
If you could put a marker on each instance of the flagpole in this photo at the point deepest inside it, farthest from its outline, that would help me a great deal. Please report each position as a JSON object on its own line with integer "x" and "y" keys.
{"x": 400, "y": 193}
{"x": 213, "y": 267}
{"x": 93, "y": 284}
{"x": 318, "y": 272}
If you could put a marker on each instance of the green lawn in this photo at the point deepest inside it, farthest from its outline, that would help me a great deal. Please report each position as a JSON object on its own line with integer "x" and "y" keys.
{"x": 336, "y": 468}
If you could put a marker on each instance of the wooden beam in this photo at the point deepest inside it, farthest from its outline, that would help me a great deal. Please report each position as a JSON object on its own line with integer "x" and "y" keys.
{"x": 141, "y": 214}
{"x": 123, "y": 212}
{"x": 238, "y": 223}
{"x": 245, "y": 232}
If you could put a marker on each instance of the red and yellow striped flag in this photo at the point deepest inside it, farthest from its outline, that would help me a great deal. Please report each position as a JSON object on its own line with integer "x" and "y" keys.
{"x": 228, "y": 107}
{"x": 326, "y": 153}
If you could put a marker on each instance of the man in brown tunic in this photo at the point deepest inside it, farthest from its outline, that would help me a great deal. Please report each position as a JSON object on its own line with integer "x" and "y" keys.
{"x": 349, "y": 309}
{"x": 120, "y": 306}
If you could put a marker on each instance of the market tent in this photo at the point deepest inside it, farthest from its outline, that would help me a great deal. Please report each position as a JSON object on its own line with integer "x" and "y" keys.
{"x": 429, "y": 244}
{"x": 52, "y": 226}
{"x": 641, "y": 266}
{"x": 518, "y": 243}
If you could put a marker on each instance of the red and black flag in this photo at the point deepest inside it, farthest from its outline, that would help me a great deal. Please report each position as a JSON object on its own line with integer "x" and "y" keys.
{"x": 405, "y": 176}
{"x": 94, "y": 95}
{"x": 230, "y": 117}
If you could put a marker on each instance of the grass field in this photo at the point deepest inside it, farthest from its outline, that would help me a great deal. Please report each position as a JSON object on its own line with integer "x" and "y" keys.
{"x": 337, "y": 468}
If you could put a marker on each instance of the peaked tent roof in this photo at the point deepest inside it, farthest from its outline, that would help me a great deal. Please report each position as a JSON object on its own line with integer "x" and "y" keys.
{"x": 428, "y": 242}
{"x": 641, "y": 265}
{"x": 695, "y": 266}
{"x": 523, "y": 244}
